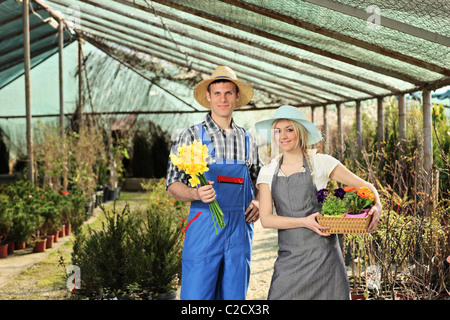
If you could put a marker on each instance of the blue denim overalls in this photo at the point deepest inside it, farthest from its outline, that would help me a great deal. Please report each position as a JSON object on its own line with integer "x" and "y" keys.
{"x": 217, "y": 266}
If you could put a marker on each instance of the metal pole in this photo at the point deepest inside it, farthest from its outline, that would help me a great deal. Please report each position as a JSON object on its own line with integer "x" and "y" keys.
{"x": 340, "y": 133}
{"x": 402, "y": 124}
{"x": 312, "y": 120}
{"x": 61, "y": 76}
{"x": 26, "y": 56}
{"x": 402, "y": 141}
{"x": 80, "y": 85}
{"x": 325, "y": 131}
{"x": 380, "y": 130}
{"x": 358, "y": 125}
{"x": 427, "y": 141}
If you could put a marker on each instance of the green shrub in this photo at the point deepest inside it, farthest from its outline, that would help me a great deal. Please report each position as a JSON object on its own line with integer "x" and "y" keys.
{"x": 104, "y": 255}
{"x": 140, "y": 249}
{"x": 160, "y": 246}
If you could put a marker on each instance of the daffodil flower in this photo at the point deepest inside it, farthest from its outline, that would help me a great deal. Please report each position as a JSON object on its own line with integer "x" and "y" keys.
{"x": 192, "y": 160}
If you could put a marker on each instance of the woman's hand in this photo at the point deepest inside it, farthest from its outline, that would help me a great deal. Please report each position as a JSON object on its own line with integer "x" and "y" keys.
{"x": 311, "y": 223}
{"x": 375, "y": 211}
{"x": 252, "y": 211}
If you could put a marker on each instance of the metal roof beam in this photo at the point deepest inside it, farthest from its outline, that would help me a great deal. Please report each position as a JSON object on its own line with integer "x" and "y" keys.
{"x": 338, "y": 36}
{"x": 92, "y": 25}
{"x": 180, "y": 19}
{"x": 262, "y": 33}
{"x": 168, "y": 56}
{"x": 198, "y": 49}
{"x": 384, "y": 21}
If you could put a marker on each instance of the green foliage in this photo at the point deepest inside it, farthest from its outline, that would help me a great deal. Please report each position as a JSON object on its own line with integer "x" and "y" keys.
{"x": 354, "y": 203}
{"x": 140, "y": 248}
{"x": 104, "y": 255}
{"x": 333, "y": 206}
{"x": 5, "y": 219}
{"x": 157, "y": 194}
{"x": 35, "y": 212}
{"x": 159, "y": 244}
{"x": 410, "y": 243}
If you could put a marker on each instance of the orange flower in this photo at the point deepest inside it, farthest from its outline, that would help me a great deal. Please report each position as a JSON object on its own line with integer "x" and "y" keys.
{"x": 363, "y": 192}
{"x": 348, "y": 189}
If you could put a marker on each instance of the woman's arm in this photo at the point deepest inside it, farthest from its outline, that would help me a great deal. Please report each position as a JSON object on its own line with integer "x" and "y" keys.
{"x": 345, "y": 176}
{"x": 269, "y": 220}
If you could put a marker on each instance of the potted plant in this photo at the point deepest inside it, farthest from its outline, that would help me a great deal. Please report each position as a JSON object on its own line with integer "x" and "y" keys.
{"x": 5, "y": 227}
{"x": 338, "y": 210}
{"x": 21, "y": 229}
{"x": 357, "y": 201}
{"x": 36, "y": 223}
{"x": 52, "y": 221}
{"x": 77, "y": 214}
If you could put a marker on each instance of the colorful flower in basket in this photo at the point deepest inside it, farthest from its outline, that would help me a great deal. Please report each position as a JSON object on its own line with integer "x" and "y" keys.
{"x": 347, "y": 200}
{"x": 322, "y": 195}
{"x": 192, "y": 160}
{"x": 355, "y": 200}
{"x": 339, "y": 193}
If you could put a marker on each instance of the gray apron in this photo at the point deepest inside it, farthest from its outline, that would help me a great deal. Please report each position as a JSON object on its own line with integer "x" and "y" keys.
{"x": 309, "y": 266}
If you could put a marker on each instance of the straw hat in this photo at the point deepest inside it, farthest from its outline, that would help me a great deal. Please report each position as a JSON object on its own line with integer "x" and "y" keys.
{"x": 264, "y": 127}
{"x": 225, "y": 73}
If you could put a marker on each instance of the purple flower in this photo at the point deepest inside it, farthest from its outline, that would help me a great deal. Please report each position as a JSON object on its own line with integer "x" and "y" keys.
{"x": 321, "y": 195}
{"x": 339, "y": 193}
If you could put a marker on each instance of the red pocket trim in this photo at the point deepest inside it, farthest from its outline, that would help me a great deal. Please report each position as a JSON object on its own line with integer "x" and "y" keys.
{"x": 230, "y": 179}
{"x": 193, "y": 219}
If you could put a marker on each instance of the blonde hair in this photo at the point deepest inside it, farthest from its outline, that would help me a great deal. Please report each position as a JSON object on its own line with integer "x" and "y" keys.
{"x": 302, "y": 138}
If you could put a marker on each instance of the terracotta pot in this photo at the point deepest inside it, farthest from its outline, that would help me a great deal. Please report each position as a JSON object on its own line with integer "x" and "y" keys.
{"x": 19, "y": 245}
{"x": 49, "y": 243}
{"x": 62, "y": 233}
{"x": 11, "y": 246}
{"x": 3, "y": 250}
{"x": 39, "y": 246}
{"x": 68, "y": 228}
{"x": 55, "y": 236}
{"x": 356, "y": 296}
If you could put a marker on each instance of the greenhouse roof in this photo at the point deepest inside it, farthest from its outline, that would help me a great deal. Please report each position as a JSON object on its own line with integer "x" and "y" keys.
{"x": 43, "y": 37}
{"x": 303, "y": 53}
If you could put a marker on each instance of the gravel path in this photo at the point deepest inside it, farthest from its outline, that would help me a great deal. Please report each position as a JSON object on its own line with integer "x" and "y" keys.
{"x": 264, "y": 254}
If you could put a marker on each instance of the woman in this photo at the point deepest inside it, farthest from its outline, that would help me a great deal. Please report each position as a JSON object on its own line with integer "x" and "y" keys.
{"x": 310, "y": 263}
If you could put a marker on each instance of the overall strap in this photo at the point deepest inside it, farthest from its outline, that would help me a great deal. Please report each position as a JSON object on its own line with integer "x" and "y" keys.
{"x": 204, "y": 138}
{"x": 247, "y": 145}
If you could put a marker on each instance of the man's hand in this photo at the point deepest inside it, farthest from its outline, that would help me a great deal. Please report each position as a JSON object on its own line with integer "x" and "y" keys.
{"x": 207, "y": 193}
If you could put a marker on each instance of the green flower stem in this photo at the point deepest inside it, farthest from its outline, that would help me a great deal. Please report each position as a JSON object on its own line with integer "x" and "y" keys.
{"x": 216, "y": 212}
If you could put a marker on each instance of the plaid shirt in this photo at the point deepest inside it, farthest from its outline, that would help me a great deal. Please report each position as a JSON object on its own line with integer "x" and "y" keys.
{"x": 231, "y": 147}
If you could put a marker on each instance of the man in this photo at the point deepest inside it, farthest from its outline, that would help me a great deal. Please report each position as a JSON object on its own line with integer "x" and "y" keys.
{"x": 217, "y": 265}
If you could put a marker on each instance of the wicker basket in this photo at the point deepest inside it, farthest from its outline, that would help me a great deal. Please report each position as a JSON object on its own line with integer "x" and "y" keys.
{"x": 344, "y": 225}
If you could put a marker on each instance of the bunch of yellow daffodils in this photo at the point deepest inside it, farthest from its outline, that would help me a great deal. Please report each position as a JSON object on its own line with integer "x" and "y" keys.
{"x": 192, "y": 160}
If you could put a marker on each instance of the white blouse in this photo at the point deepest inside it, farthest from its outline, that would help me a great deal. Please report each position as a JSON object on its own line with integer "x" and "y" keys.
{"x": 322, "y": 164}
